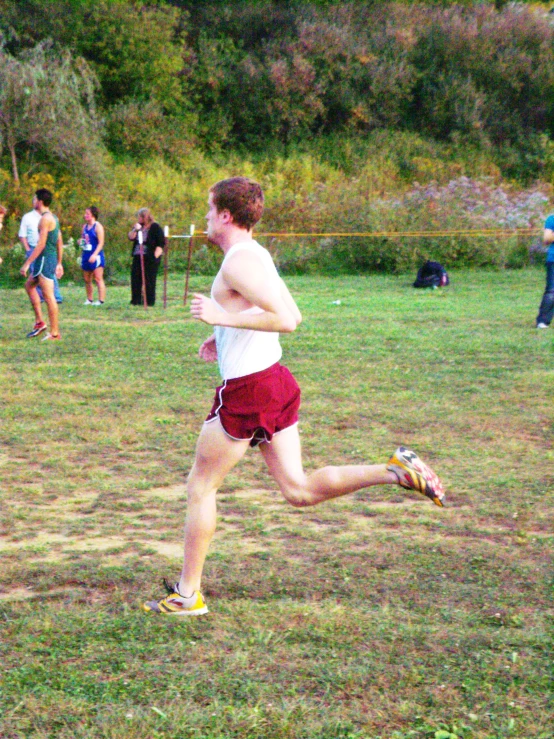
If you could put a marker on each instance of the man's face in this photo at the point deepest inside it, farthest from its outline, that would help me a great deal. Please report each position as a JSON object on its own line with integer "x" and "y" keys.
{"x": 36, "y": 204}
{"x": 216, "y": 221}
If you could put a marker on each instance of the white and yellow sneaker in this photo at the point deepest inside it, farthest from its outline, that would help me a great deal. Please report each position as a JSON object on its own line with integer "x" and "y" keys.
{"x": 175, "y": 604}
{"x": 413, "y": 474}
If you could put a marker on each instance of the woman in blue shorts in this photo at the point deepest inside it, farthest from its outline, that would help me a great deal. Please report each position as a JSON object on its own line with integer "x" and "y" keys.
{"x": 93, "y": 260}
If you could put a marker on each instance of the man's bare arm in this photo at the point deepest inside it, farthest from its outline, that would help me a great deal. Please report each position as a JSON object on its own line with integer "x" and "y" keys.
{"x": 548, "y": 237}
{"x": 246, "y": 275}
{"x": 59, "y": 245}
{"x": 290, "y": 303}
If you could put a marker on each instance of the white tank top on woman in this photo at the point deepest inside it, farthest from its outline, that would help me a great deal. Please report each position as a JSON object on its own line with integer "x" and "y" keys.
{"x": 241, "y": 351}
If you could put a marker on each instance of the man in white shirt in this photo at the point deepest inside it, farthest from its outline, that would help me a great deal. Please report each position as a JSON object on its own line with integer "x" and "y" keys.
{"x": 28, "y": 235}
{"x": 258, "y": 402}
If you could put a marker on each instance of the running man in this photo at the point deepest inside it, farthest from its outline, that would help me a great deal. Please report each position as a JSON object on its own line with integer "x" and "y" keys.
{"x": 258, "y": 402}
{"x": 45, "y": 262}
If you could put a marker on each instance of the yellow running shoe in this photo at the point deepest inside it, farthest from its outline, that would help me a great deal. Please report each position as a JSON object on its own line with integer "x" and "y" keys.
{"x": 413, "y": 474}
{"x": 175, "y": 605}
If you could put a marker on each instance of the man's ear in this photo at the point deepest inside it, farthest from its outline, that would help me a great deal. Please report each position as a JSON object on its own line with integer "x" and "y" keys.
{"x": 226, "y": 216}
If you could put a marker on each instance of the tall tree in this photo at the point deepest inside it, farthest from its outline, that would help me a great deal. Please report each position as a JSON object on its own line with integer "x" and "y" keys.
{"x": 47, "y": 102}
{"x": 135, "y": 48}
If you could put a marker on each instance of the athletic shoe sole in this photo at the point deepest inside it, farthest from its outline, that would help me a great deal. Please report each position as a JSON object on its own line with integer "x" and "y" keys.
{"x": 36, "y": 331}
{"x": 163, "y": 607}
{"x": 171, "y": 605}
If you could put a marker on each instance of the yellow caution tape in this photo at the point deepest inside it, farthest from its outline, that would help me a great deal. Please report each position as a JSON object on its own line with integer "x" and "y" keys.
{"x": 388, "y": 234}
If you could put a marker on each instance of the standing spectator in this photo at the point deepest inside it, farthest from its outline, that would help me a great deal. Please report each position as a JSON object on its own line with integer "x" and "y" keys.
{"x": 153, "y": 242}
{"x": 546, "y": 310}
{"x": 28, "y": 235}
{"x": 93, "y": 260}
{"x": 45, "y": 262}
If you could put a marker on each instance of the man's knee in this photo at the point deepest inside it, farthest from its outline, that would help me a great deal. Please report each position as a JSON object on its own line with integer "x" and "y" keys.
{"x": 296, "y": 494}
{"x": 202, "y": 480}
{"x": 198, "y": 490}
{"x": 299, "y": 499}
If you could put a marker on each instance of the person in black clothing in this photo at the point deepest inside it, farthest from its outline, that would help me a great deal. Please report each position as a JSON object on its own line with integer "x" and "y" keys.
{"x": 153, "y": 243}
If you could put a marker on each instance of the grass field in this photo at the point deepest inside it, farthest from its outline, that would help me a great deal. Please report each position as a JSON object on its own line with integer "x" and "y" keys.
{"x": 377, "y": 616}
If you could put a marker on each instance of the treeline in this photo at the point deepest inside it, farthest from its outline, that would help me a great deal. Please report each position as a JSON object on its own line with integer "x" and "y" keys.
{"x": 268, "y": 75}
{"x": 339, "y": 108}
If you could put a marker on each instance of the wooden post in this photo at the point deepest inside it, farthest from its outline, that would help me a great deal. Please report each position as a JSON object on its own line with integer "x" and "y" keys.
{"x": 188, "y": 263}
{"x": 143, "y": 273}
{"x": 166, "y": 257}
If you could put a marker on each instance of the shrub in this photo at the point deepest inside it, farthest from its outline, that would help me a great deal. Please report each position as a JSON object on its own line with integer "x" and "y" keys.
{"x": 488, "y": 75}
{"x": 463, "y": 203}
{"x": 305, "y": 195}
{"x": 143, "y": 130}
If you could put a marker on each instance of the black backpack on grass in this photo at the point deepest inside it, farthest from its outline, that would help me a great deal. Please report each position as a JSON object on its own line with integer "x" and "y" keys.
{"x": 432, "y": 274}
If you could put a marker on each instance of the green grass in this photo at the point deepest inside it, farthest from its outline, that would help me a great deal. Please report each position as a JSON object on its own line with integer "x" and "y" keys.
{"x": 377, "y": 616}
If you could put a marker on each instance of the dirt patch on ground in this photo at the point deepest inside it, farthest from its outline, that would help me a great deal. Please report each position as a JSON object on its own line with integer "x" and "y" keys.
{"x": 26, "y": 593}
{"x": 249, "y": 518}
{"x": 173, "y": 492}
{"x": 51, "y": 547}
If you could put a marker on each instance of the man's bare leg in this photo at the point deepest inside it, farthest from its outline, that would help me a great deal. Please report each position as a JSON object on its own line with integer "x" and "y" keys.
{"x": 216, "y": 455}
{"x": 47, "y": 287}
{"x": 283, "y": 457}
{"x": 31, "y": 290}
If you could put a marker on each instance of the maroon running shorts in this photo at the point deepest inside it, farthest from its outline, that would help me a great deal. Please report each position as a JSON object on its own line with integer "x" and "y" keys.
{"x": 257, "y": 406}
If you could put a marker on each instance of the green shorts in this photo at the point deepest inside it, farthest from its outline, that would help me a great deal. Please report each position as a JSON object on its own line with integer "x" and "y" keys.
{"x": 45, "y": 266}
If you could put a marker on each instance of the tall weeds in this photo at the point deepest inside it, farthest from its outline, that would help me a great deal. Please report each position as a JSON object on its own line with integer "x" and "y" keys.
{"x": 308, "y": 194}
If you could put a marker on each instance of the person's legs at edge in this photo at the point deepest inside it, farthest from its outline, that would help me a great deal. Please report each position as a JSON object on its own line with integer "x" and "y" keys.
{"x": 216, "y": 455}
{"x": 47, "y": 287}
{"x": 31, "y": 288}
{"x": 98, "y": 275}
{"x": 546, "y": 310}
{"x": 88, "y": 284}
{"x": 57, "y": 293}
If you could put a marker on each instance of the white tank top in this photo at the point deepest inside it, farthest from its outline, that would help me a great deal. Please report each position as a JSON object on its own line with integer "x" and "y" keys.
{"x": 241, "y": 351}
